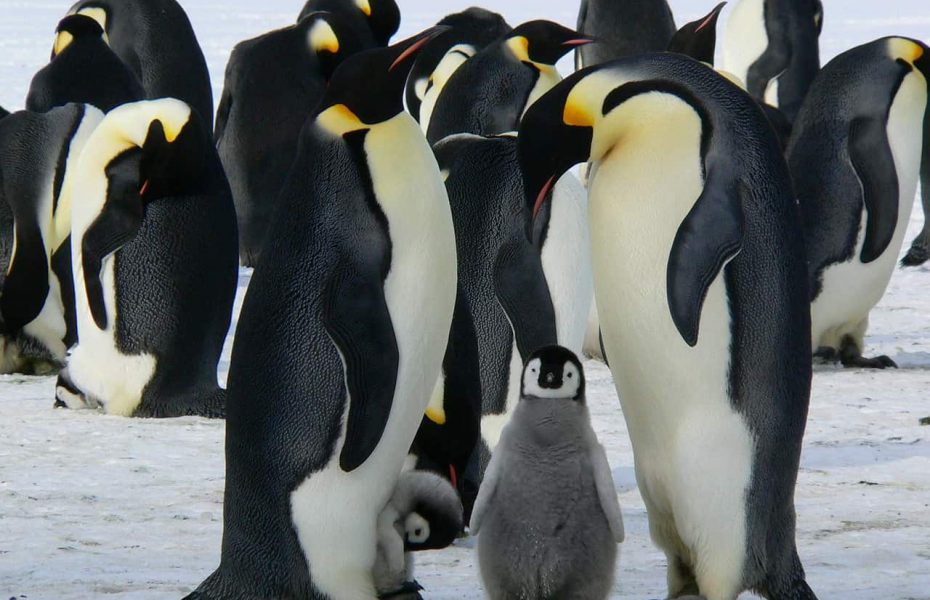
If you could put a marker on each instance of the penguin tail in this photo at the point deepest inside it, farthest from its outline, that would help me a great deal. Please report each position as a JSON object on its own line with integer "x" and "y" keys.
{"x": 792, "y": 587}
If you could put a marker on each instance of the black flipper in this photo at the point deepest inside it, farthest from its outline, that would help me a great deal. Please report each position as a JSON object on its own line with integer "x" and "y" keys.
{"x": 873, "y": 162}
{"x": 707, "y": 239}
{"x": 26, "y": 285}
{"x": 521, "y": 289}
{"x": 355, "y": 314}
{"x": 773, "y": 62}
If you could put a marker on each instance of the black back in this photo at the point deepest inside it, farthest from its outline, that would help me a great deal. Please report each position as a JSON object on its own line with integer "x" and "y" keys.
{"x": 375, "y": 29}
{"x": 474, "y": 26}
{"x": 86, "y": 71}
{"x": 623, "y": 29}
{"x": 156, "y": 41}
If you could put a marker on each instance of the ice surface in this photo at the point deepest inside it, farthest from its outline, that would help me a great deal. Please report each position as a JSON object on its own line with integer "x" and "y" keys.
{"x": 98, "y": 506}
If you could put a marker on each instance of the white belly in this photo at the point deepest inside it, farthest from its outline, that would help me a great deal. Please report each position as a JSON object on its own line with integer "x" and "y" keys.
{"x": 745, "y": 39}
{"x": 850, "y": 289}
{"x": 493, "y": 425}
{"x": 335, "y": 512}
{"x": 548, "y": 78}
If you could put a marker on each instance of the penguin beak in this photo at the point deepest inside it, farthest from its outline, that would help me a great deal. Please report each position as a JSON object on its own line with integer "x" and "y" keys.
{"x": 416, "y": 43}
{"x": 581, "y": 41}
{"x": 711, "y": 19}
{"x": 698, "y": 39}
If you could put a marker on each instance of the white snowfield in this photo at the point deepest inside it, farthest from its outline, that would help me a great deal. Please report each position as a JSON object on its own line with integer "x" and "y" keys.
{"x": 93, "y": 506}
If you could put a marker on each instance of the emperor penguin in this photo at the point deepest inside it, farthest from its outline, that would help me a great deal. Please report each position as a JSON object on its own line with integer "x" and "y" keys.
{"x": 623, "y": 29}
{"x": 37, "y": 154}
{"x": 773, "y": 47}
{"x": 273, "y": 82}
{"x": 489, "y": 93}
{"x": 339, "y": 343}
{"x": 156, "y": 41}
{"x": 855, "y": 156}
{"x": 698, "y": 39}
{"x": 83, "y": 69}
{"x": 470, "y": 31}
{"x": 372, "y": 21}
{"x": 153, "y": 245}
{"x": 547, "y": 517}
{"x": 704, "y": 275}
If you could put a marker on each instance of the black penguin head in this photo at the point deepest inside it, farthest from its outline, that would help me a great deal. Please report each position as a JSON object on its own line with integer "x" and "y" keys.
{"x": 383, "y": 18}
{"x": 368, "y": 87}
{"x": 698, "y": 39}
{"x": 173, "y": 162}
{"x": 553, "y": 372}
{"x": 74, "y": 27}
{"x": 331, "y": 38}
{"x": 544, "y": 42}
{"x": 436, "y": 518}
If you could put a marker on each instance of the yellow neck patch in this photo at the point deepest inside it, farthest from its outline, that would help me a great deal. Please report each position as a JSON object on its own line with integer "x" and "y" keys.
{"x": 62, "y": 41}
{"x": 322, "y": 37}
{"x": 905, "y": 49}
{"x": 520, "y": 47}
{"x": 339, "y": 120}
{"x": 364, "y": 6}
{"x": 577, "y": 114}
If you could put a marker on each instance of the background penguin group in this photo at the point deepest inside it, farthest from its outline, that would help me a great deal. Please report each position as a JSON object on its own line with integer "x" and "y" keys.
{"x": 406, "y": 360}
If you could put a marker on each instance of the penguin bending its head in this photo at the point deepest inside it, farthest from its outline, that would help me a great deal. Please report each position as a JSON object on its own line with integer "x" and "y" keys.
{"x": 339, "y": 344}
{"x": 491, "y": 91}
{"x": 859, "y": 144}
{"x": 714, "y": 283}
{"x": 547, "y": 517}
{"x": 272, "y": 83}
{"x": 373, "y": 21}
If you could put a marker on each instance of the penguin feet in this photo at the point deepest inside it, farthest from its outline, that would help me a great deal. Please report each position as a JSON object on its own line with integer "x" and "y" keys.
{"x": 851, "y": 357}
{"x": 67, "y": 395}
{"x": 826, "y": 355}
{"x": 409, "y": 591}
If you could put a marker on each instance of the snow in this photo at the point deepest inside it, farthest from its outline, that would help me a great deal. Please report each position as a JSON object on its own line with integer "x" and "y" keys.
{"x": 99, "y": 506}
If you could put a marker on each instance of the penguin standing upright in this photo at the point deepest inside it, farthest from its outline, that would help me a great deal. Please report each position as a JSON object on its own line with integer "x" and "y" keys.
{"x": 489, "y": 93}
{"x": 698, "y": 39}
{"x": 37, "y": 154}
{"x": 339, "y": 344}
{"x": 471, "y": 30}
{"x": 372, "y": 21}
{"x": 273, "y": 82}
{"x": 623, "y": 29}
{"x": 773, "y": 47}
{"x": 153, "y": 244}
{"x": 83, "y": 69}
{"x": 855, "y": 156}
{"x": 701, "y": 289}
{"x": 156, "y": 41}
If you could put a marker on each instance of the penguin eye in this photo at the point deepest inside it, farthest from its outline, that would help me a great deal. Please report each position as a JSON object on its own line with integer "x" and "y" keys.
{"x": 533, "y": 370}
{"x": 569, "y": 375}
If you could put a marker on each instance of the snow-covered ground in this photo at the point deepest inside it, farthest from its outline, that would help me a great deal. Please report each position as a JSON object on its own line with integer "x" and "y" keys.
{"x": 98, "y": 506}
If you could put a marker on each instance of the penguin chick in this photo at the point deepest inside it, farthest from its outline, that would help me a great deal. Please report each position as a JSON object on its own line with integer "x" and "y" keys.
{"x": 424, "y": 513}
{"x": 548, "y": 459}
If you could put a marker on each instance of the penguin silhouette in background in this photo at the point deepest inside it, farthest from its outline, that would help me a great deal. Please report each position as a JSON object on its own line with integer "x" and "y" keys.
{"x": 623, "y": 29}
{"x": 373, "y": 21}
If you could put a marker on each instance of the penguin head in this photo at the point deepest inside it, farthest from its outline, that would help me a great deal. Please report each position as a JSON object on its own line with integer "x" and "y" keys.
{"x": 698, "y": 39}
{"x": 553, "y": 372}
{"x": 75, "y": 27}
{"x": 331, "y": 39}
{"x": 543, "y": 42}
{"x": 367, "y": 88}
{"x": 435, "y": 516}
{"x": 383, "y": 18}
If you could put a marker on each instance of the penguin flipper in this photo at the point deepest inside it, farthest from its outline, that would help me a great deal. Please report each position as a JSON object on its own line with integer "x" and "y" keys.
{"x": 26, "y": 284}
{"x": 871, "y": 157}
{"x": 356, "y": 317}
{"x": 521, "y": 289}
{"x": 487, "y": 489}
{"x": 709, "y": 237}
{"x": 606, "y": 492}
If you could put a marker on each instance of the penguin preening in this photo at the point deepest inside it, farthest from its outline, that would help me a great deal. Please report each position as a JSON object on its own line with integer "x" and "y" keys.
{"x": 273, "y": 82}
{"x": 547, "y": 517}
{"x": 718, "y": 291}
{"x": 855, "y": 156}
{"x": 489, "y": 93}
{"x": 156, "y": 41}
{"x": 339, "y": 344}
{"x": 773, "y": 47}
{"x": 470, "y": 31}
{"x": 623, "y": 29}
{"x": 83, "y": 69}
{"x": 372, "y": 21}
{"x": 153, "y": 245}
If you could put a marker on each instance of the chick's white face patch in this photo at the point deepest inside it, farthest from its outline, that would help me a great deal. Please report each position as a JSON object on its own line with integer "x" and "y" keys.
{"x": 416, "y": 528}
{"x": 571, "y": 381}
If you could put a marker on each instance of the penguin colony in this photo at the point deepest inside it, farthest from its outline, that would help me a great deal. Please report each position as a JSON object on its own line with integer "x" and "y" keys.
{"x": 406, "y": 361}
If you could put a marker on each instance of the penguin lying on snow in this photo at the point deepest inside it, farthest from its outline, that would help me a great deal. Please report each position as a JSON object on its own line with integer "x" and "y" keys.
{"x": 547, "y": 517}
{"x": 153, "y": 244}
{"x": 718, "y": 290}
{"x": 339, "y": 343}
{"x": 623, "y": 29}
{"x": 272, "y": 82}
{"x": 373, "y": 22}
{"x": 858, "y": 147}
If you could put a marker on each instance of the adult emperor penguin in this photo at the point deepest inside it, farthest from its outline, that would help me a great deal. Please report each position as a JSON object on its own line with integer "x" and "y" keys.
{"x": 272, "y": 84}
{"x": 339, "y": 344}
{"x": 700, "y": 282}
{"x": 489, "y": 93}
{"x": 547, "y": 517}
{"x": 139, "y": 32}
{"x": 373, "y": 21}
{"x": 153, "y": 244}
{"x": 772, "y": 46}
{"x": 471, "y": 30}
{"x": 623, "y": 29}
{"x": 855, "y": 156}
{"x": 698, "y": 39}
{"x": 37, "y": 153}
{"x": 83, "y": 69}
